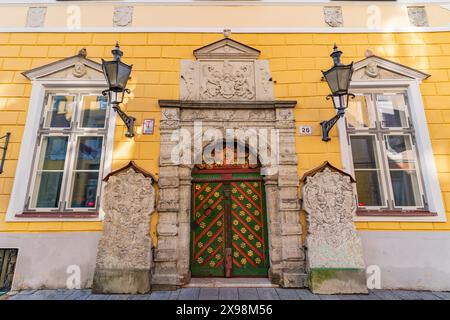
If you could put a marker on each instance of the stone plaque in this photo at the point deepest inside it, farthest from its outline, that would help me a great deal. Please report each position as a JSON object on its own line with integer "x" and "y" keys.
{"x": 333, "y": 16}
{"x": 334, "y": 248}
{"x": 418, "y": 16}
{"x": 124, "y": 257}
{"x": 36, "y": 17}
{"x": 123, "y": 16}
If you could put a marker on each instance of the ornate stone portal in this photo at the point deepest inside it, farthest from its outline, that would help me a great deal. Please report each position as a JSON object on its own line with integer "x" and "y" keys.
{"x": 124, "y": 257}
{"x": 334, "y": 249}
{"x": 227, "y": 88}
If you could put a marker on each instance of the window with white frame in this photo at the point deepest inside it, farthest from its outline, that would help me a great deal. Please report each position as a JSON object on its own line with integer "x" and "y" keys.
{"x": 384, "y": 157}
{"x": 69, "y": 153}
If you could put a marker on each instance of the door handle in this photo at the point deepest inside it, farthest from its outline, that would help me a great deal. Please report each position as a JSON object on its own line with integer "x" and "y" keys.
{"x": 228, "y": 263}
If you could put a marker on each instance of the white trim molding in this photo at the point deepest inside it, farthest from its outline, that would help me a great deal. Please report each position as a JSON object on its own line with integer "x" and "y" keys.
{"x": 25, "y": 162}
{"x": 409, "y": 80}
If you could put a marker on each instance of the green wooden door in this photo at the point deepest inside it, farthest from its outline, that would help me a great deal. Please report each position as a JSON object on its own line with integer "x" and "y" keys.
{"x": 248, "y": 229}
{"x": 208, "y": 229}
{"x": 228, "y": 225}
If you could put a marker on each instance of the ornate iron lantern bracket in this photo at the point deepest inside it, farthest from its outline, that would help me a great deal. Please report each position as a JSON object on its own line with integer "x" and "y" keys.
{"x": 117, "y": 74}
{"x": 127, "y": 120}
{"x": 5, "y": 148}
{"x": 338, "y": 78}
{"x": 328, "y": 125}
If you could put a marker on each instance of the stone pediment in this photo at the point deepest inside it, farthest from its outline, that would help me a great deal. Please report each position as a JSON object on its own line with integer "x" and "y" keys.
{"x": 131, "y": 165}
{"x": 71, "y": 68}
{"x": 377, "y": 68}
{"x": 226, "y": 49}
{"x": 226, "y": 70}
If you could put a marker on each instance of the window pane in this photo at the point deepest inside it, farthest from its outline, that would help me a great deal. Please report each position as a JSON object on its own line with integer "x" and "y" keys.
{"x": 84, "y": 194}
{"x": 359, "y": 112}
{"x": 59, "y": 111}
{"x": 392, "y": 110}
{"x": 89, "y": 153}
{"x": 368, "y": 186}
{"x": 53, "y": 153}
{"x": 406, "y": 189}
{"x": 93, "y": 111}
{"x": 363, "y": 151}
{"x": 399, "y": 152}
{"x": 48, "y": 188}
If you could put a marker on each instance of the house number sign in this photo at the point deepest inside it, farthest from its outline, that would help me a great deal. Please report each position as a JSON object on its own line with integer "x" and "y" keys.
{"x": 305, "y": 130}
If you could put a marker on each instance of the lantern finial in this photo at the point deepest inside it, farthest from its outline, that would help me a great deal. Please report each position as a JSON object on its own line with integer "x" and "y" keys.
{"x": 336, "y": 55}
{"x": 116, "y": 52}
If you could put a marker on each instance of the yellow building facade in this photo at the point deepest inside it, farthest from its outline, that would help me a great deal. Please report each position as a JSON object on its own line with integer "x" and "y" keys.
{"x": 410, "y": 246}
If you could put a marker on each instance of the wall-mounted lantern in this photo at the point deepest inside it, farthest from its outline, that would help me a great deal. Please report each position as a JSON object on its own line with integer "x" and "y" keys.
{"x": 338, "y": 78}
{"x": 117, "y": 74}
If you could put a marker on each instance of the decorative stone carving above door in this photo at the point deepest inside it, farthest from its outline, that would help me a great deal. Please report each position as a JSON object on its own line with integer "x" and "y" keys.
{"x": 226, "y": 70}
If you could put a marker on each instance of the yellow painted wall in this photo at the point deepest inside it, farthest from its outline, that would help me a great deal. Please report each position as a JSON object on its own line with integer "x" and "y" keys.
{"x": 295, "y": 61}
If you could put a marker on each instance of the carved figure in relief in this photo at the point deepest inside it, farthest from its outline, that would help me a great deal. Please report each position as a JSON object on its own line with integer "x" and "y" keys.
{"x": 79, "y": 69}
{"x": 372, "y": 69}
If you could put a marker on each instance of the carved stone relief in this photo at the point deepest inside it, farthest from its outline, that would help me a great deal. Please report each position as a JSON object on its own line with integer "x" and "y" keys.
{"x": 374, "y": 71}
{"x": 124, "y": 257}
{"x": 418, "y": 16}
{"x": 226, "y": 70}
{"x": 333, "y": 16}
{"x": 335, "y": 256}
{"x": 36, "y": 17}
{"x": 227, "y": 80}
{"x": 123, "y": 16}
{"x": 79, "y": 69}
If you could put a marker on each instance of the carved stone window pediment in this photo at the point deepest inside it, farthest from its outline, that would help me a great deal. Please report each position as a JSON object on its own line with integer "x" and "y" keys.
{"x": 377, "y": 68}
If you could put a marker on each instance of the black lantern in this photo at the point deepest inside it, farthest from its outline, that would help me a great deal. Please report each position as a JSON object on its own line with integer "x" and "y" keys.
{"x": 117, "y": 74}
{"x": 338, "y": 78}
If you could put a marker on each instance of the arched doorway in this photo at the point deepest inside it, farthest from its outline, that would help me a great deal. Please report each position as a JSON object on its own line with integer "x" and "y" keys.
{"x": 228, "y": 218}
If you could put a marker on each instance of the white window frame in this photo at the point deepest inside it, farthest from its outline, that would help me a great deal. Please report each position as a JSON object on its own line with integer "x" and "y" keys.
{"x": 425, "y": 161}
{"x": 19, "y": 194}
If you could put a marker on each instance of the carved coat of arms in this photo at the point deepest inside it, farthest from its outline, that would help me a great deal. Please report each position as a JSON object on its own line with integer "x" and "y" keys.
{"x": 227, "y": 82}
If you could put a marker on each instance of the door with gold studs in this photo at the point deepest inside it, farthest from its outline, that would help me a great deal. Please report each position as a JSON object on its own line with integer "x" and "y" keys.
{"x": 228, "y": 225}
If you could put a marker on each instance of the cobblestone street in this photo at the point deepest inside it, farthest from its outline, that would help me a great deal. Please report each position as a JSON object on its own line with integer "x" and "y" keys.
{"x": 228, "y": 294}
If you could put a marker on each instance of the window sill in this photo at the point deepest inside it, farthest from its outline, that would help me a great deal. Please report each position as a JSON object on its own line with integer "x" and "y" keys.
{"x": 385, "y": 213}
{"x": 69, "y": 215}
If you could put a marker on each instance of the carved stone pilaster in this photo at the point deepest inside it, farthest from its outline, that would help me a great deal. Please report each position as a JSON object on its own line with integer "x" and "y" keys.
{"x": 335, "y": 257}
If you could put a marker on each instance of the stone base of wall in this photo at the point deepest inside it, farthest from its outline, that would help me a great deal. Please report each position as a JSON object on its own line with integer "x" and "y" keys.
{"x": 123, "y": 281}
{"x": 407, "y": 260}
{"x": 338, "y": 281}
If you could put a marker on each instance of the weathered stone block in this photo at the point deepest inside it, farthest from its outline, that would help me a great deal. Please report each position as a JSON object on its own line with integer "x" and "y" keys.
{"x": 294, "y": 280}
{"x": 126, "y": 281}
{"x": 124, "y": 257}
{"x": 334, "y": 281}
{"x": 334, "y": 255}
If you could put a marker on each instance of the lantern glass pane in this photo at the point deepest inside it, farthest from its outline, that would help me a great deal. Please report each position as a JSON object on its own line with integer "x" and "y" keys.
{"x": 332, "y": 79}
{"x": 111, "y": 73}
{"x": 123, "y": 75}
{"x": 344, "y": 78}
